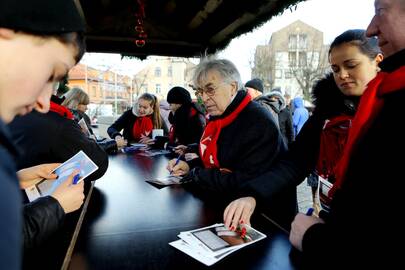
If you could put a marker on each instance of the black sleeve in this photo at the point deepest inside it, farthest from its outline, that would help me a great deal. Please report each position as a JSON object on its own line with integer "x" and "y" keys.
{"x": 42, "y": 218}
{"x": 291, "y": 168}
{"x": 289, "y": 132}
{"x": 196, "y": 128}
{"x": 119, "y": 125}
{"x": 70, "y": 140}
{"x": 255, "y": 155}
{"x": 109, "y": 146}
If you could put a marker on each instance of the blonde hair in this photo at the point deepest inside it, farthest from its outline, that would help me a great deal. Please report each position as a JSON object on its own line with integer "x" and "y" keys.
{"x": 74, "y": 97}
{"x": 154, "y": 103}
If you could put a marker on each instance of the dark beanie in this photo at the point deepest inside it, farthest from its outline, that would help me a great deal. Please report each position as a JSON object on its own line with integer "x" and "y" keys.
{"x": 255, "y": 84}
{"x": 41, "y": 16}
{"x": 178, "y": 95}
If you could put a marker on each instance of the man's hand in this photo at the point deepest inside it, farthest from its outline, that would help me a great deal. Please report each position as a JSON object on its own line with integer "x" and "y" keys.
{"x": 32, "y": 175}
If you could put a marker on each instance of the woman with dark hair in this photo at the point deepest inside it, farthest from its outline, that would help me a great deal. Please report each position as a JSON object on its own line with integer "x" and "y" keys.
{"x": 138, "y": 122}
{"x": 354, "y": 61}
{"x": 186, "y": 119}
{"x": 37, "y": 49}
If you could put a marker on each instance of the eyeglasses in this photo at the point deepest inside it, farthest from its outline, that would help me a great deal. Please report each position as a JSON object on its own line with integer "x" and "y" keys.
{"x": 208, "y": 90}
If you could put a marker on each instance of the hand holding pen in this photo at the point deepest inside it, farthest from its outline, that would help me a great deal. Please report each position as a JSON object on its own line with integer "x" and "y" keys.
{"x": 176, "y": 163}
{"x": 177, "y": 167}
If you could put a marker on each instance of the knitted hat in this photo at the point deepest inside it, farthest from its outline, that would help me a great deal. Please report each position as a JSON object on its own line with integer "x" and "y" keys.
{"x": 178, "y": 95}
{"x": 255, "y": 84}
{"x": 41, "y": 16}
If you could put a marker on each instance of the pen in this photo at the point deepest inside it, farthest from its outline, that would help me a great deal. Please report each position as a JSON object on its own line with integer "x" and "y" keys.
{"x": 177, "y": 162}
{"x": 76, "y": 179}
{"x": 309, "y": 211}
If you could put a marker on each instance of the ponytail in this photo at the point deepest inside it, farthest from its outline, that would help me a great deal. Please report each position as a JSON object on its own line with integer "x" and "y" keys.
{"x": 154, "y": 103}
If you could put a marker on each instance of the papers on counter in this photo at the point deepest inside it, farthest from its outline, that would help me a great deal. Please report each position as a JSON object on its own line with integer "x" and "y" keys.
{"x": 210, "y": 244}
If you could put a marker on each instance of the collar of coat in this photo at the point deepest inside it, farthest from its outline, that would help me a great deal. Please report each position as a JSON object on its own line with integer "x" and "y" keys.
{"x": 329, "y": 101}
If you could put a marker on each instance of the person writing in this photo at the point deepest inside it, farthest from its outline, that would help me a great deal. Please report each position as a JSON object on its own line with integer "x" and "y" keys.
{"x": 233, "y": 148}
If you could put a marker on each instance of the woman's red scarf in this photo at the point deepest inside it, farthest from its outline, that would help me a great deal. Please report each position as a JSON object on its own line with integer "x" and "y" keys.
{"x": 208, "y": 142}
{"x": 333, "y": 140}
{"x": 370, "y": 106}
{"x": 142, "y": 127}
{"x": 61, "y": 110}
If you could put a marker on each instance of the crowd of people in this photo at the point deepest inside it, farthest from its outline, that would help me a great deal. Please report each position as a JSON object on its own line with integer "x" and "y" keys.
{"x": 249, "y": 146}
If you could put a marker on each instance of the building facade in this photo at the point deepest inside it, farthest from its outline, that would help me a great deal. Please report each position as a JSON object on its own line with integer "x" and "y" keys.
{"x": 162, "y": 74}
{"x": 106, "y": 89}
{"x": 293, "y": 60}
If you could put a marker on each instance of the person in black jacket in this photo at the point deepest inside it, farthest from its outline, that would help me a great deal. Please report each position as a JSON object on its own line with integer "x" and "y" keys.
{"x": 354, "y": 59}
{"x": 37, "y": 49}
{"x": 284, "y": 116}
{"x": 50, "y": 138}
{"x": 186, "y": 119}
{"x": 234, "y": 148}
{"x": 138, "y": 122}
{"x": 368, "y": 192}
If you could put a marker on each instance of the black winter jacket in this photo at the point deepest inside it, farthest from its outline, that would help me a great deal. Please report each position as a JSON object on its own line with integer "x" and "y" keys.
{"x": 188, "y": 127}
{"x": 300, "y": 160}
{"x": 42, "y": 218}
{"x": 10, "y": 205}
{"x": 363, "y": 210}
{"x": 49, "y": 138}
{"x": 248, "y": 147}
{"x": 188, "y": 123}
{"x": 126, "y": 122}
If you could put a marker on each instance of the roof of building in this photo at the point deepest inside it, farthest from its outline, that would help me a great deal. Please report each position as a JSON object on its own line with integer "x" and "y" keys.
{"x": 184, "y": 28}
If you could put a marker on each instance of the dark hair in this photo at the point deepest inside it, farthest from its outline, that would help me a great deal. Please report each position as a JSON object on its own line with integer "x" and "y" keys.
{"x": 357, "y": 37}
{"x": 74, "y": 38}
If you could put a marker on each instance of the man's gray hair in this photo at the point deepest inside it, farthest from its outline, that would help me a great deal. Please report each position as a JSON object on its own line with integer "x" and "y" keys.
{"x": 226, "y": 68}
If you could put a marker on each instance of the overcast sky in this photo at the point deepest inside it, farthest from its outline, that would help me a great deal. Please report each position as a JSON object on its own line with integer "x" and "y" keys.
{"x": 332, "y": 17}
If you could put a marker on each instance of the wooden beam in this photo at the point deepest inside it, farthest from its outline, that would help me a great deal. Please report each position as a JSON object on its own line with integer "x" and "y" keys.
{"x": 202, "y": 15}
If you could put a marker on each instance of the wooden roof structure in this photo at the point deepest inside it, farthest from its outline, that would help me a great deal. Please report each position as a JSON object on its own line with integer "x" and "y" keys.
{"x": 183, "y": 28}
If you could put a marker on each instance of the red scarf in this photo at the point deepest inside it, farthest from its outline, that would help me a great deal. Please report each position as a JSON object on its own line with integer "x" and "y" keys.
{"x": 172, "y": 138}
{"x": 333, "y": 140}
{"x": 142, "y": 127}
{"x": 61, "y": 110}
{"x": 208, "y": 142}
{"x": 370, "y": 105}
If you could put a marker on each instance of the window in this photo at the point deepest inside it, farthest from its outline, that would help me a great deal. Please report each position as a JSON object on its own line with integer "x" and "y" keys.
{"x": 302, "y": 59}
{"x": 292, "y": 59}
{"x": 302, "y": 41}
{"x": 93, "y": 91}
{"x": 144, "y": 87}
{"x": 279, "y": 74}
{"x": 279, "y": 59}
{"x": 158, "y": 72}
{"x": 292, "y": 42}
{"x": 288, "y": 74}
{"x": 158, "y": 90}
{"x": 169, "y": 72}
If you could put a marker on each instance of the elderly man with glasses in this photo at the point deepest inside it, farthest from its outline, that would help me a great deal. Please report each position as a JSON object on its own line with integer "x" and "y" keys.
{"x": 241, "y": 139}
